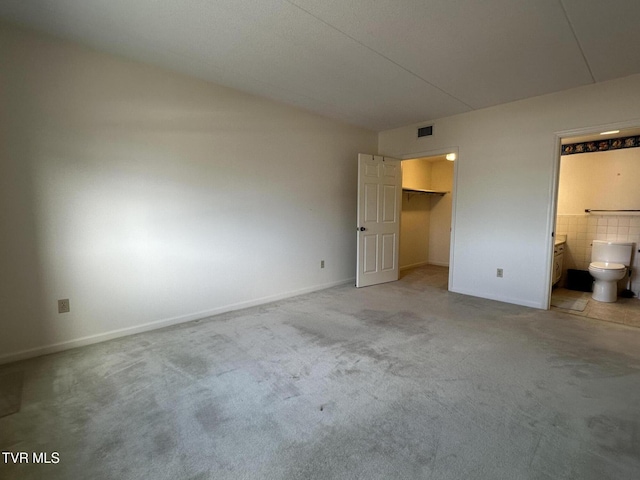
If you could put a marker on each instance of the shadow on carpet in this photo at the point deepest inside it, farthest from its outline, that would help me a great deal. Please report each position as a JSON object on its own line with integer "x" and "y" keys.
{"x": 10, "y": 393}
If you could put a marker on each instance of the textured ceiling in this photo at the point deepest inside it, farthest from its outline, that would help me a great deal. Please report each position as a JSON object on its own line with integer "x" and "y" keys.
{"x": 375, "y": 63}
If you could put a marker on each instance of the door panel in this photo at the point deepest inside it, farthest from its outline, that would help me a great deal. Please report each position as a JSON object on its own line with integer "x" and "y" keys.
{"x": 372, "y": 170}
{"x": 371, "y": 202}
{"x": 389, "y": 204}
{"x": 370, "y": 253}
{"x": 390, "y": 171}
{"x": 379, "y": 194}
{"x": 389, "y": 242}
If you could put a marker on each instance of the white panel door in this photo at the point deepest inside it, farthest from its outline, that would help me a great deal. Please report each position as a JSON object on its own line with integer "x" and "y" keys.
{"x": 379, "y": 197}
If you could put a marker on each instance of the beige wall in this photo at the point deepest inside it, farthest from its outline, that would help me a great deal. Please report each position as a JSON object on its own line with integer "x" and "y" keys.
{"x": 416, "y": 173}
{"x": 414, "y": 230}
{"x": 440, "y": 221}
{"x": 599, "y": 180}
{"x": 416, "y": 214}
{"x": 426, "y": 219}
{"x": 149, "y": 198}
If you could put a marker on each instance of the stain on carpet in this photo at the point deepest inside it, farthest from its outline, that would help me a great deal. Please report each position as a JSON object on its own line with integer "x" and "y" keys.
{"x": 615, "y": 434}
{"x": 405, "y": 321}
{"x": 209, "y": 417}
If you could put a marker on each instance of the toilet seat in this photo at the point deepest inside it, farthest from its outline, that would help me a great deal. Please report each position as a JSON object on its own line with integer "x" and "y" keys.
{"x": 606, "y": 266}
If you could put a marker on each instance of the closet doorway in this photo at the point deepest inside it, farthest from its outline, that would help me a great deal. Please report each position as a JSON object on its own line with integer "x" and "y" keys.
{"x": 425, "y": 221}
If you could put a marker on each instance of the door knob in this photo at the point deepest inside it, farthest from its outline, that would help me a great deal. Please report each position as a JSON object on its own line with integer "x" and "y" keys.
{"x": 362, "y": 229}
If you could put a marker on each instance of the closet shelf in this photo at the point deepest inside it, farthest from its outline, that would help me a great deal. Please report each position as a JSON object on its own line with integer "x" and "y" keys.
{"x": 419, "y": 191}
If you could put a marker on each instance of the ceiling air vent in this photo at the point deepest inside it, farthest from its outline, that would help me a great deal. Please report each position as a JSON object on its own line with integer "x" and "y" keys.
{"x": 425, "y": 131}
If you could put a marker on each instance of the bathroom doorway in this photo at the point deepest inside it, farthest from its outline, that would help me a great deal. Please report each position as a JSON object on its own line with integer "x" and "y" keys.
{"x": 597, "y": 185}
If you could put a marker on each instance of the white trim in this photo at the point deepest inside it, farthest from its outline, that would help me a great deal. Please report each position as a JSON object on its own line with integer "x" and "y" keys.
{"x": 579, "y": 132}
{"x": 552, "y": 213}
{"x": 167, "y": 322}
{"x": 429, "y": 153}
{"x": 414, "y": 265}
{"x": 489, "y": 296}
{"x": 438, "y": 264}
{"x": 452, "y": 234}
{"x": 422, "y": 264}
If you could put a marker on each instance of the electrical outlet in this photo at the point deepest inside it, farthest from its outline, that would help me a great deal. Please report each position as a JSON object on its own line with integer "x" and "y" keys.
{"x": 63, "y": 306}
{"x": 321, "y": 263}
{"x": 499, "y": 273}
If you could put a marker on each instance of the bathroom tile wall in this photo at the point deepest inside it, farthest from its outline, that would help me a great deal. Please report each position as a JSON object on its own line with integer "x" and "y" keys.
{"x": 581, "y": 230}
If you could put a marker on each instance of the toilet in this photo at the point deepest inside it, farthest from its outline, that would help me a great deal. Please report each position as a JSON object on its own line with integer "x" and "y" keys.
{"x": 609, "y": 262}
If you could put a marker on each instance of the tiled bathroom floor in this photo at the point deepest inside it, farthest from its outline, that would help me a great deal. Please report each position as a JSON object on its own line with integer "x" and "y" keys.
{"x": 625, "y": 310}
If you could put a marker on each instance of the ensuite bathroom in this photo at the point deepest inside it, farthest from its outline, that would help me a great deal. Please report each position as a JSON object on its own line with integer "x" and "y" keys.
{"x": 596, "y": 269}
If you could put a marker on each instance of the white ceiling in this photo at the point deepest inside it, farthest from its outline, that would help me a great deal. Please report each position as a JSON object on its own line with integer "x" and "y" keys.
{"x": 375, "y": 63}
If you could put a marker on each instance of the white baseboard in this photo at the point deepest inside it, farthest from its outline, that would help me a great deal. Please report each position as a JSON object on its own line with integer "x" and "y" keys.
{"x": 499, "y": 298}
{"x": 439, "y": 264}
{"x": 422, "y": 264}
{"x": 167, "y": 322}
{"x": 413, "y": 265}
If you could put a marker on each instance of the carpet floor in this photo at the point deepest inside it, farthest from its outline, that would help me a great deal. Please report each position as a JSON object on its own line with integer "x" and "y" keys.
{"x": 397, "y": 381}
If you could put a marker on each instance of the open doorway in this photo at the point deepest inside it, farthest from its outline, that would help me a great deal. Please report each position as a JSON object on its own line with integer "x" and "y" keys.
{"x": 425, "y": 220}
{"x": 596, "y": 197}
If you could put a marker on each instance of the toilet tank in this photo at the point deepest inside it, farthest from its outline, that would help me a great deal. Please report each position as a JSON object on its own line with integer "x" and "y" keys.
{"x": 612, "y": 252}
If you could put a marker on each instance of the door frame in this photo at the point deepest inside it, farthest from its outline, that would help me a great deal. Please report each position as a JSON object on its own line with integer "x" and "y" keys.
{"x": 555, "y": 185}
{"x": 434, "y": 153}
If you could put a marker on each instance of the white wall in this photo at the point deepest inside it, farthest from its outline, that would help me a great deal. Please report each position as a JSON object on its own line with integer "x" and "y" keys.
{"x": 505, "y": 180}
{"x": 149, "y": 198}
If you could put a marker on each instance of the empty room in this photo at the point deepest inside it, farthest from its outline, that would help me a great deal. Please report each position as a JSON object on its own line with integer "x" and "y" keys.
{"x": 287, "y": 239}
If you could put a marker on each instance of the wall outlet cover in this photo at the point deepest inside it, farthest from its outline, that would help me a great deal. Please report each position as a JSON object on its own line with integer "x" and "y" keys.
{"x": 63, "y": 306}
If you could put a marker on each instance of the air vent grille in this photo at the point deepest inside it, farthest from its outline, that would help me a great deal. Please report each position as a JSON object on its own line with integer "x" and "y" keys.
{"x": 425, "y": 131}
